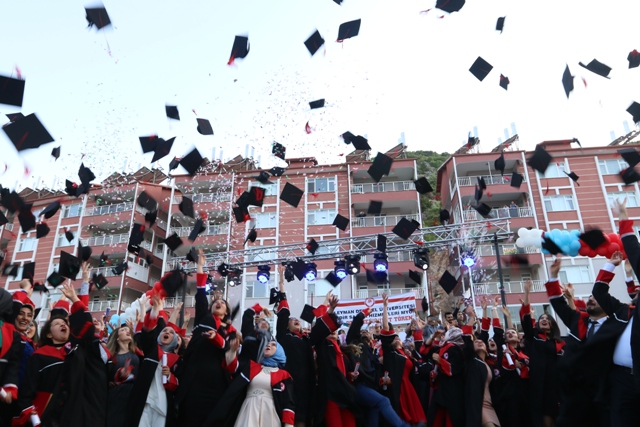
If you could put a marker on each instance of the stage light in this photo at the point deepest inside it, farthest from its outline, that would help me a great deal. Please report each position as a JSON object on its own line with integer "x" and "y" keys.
{"x": 353, "y": 264}
{"x": 310, "y": 272}
{"x": 468, "y": 260}
{"x": 340, "y": 269}
{"x": 380, "y": 263}
{"x": 288, "y": 273}
{"x": 263, "y": 273}
{"x": 421, "y": 258}
{"x": 209, "y": 286}
{"x": 223, "y": 269}
{"x": 235, "y": 277}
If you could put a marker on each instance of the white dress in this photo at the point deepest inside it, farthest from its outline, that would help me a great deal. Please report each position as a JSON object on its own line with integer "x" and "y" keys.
{"x": 258, "y": 408}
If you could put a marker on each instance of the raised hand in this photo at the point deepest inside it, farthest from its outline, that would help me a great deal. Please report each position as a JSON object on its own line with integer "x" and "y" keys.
{"x": 385, "y": 299}
{"x": 616, "y": 258}
{"x": 554, "y": 270}
{"x": 483, "y": 302}
{"x": 25, "y": 285}
{"x": 86, "y": 271}
{"x": 201, "y": 261}
{"x": 70, "y": 293}
{"x": 327, "y": 298}
{"x": 528, "y": 284}
{"x": 333, "y": 304}
{"x": 620, "y": 208}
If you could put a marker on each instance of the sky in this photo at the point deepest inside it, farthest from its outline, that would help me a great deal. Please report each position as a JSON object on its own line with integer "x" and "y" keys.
{"x": 407, "y": 71}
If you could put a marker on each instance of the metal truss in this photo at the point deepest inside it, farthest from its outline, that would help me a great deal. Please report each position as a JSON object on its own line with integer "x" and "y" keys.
{"x": 429, "y": 237}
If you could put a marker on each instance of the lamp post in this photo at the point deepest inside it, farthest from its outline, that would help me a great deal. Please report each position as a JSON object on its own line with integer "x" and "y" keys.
{"x": 503, "y": 296}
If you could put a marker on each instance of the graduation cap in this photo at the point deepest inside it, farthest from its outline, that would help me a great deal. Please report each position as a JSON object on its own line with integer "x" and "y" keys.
{"x": 480, "y": 68}
{"x": 423, "y": 186}
{"x": 500, "y": 24}
{"x": 174, "y": 164}
{"x": 51, "y": 209}
{"x": 86, "y": 175}
{"x": 11, "y": 92}
{"x": 240, "y": 49}
{"x": 277, "y": 171}
{"x": 567, "y": 81}
{"x": 192, "y": 161}
{"x": 275, "y": 296}
{"x": 504, "y": 82}
{"x": 42, "y": 230}
{"x": 634, "y": 110}
{"x": 84, "y": 252}
{"x": 333, "y": 279}
{"x": 162, "y": 149}
{"x": 151, "y": 217}
{"x": 100, "y": 281}
{"x": 223, "y": 269}
{"x": 634, "y": 59}
{"x": 3, "y": 221}
{"x": 192, "y": 255}
{"x": 198, "y": 228}
{"x": 360, "y": 143}
{"x": 55, "y": 279}
{"x": 241, "y": 214}
{"x": 597, "y": 67}
{"x": 278, "y": 150}
{"x": 10, "y": 270}
{"x": 263, "y": 178}
{"x": 483, "y": 209}
{"x": 11, "y": 200}
{"x": 416, "y": 277}
{"x": 381, "y": 243}
{"x": 148, "y": 143}
{"x": 341, "y": 222}
{"x": 405, "y": 228}
{"x": 26, "y": 218}
{"x": 380, "y": 166}
{"x": 314, "y": 42}
{"x": 378, "y": 277}
{"x": 39, "y": 287}
{"x": 173, "y": 242}
{"x": 28, "y": 271}
{"x": 630, "y": 155}
{"x": 308, "y": 314}
{"x": 573, "y": 177}
{"x": 186, "y": 207}
{"x": 540, "y": 159}
{"x": 349, "y": 29}
{"x": 55, "y": 152}
{"x": 27, "y": 133}
{"x": 478, "y": 193}
{"x": 348, "y": 137}
{"x": 517, "y": 260}
{"x": 244, "y": 199}
{"x": 444, "y": 216}
{"x": 69, "y": 235}
{"x": 298, "y": 267}
{"x": 252, "y": 236}
{"x": 204, "y": 127}
{"x": 103, "y": 258}
{"x": 69, "y": 265}
{"x": 72, "y": 189}
{"x": 234, "y": 312}
{"x": 120, "y": 268}
{"x": 291, "y": 194}
{"x": 97, "y": 16}
{"x": 593, "y": 238}
{"x": 312, "y": 246}
{"x": 172, "y": 281}
{"x": 137, "y": 234}
{"x": 550, "y": 246}
{"x": 516, "y": 180}
{"x": 316, "y": 104}
{"x": 172, "y": 112}
{"x": 448, "y": 281}
{"x": 146, "y": 201}
{"x": 450, "y": 6}
{"x": 375, "y": 207}
{"x": 629, "y": 176}
{"x": 482, "y": 183}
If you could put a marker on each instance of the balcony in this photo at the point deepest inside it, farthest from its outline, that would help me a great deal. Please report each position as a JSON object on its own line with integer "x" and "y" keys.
{"x": 108, "y": 209}
{"x": 211, "y": 230}
{"x": 490, "y": 250}
{"x": 509, "y": 287}
{"x": 103, "y": 305}
{"x": 383, "y": 187}
{"x": 205, "y": 197}
{"x": 105, "y": 271}
{"x": 162, "y": 224}
{"x": 112, "y": 239}
{"x": 369, "y": 293}
{"x": 469, "y": 181}
{"x": 8, "y": 227}
{"x": 499, "y": 213}
{"x": 381, "y": 221}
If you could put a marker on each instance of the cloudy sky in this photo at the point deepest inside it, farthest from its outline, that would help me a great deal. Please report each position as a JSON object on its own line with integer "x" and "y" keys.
{"x": 407, "y": 71}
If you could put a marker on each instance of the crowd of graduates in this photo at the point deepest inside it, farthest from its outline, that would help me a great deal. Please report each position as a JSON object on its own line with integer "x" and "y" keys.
{"x": 456, "y": 371}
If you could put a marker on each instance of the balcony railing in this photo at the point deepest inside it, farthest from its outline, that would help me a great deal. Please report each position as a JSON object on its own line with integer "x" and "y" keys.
{"x": 108, "y": 209}
{"x": 381, "y": 221}
{"x": 111, "y": 239}
{"x": 162, "y": 224}
{"x": 383, "y": 187}
{"x": 499, "y": 213}
{"x": 368, "y": 293}
{"x": 190, "y": 301}
{"x": 509, "y": 287}
{"x": 8, "y": 227}
{"x": 205, "y": 197}
{"x": 103, "y": 305}
{"x": 105, "y": 271}
{"x": 467, "y": 181}
{"x": 211, "y": 230}
{"x": 490, "y": 250}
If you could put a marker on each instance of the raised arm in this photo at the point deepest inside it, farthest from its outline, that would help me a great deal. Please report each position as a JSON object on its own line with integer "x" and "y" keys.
{"x": 555, "y": 292}
{"x": 201, "y": 303}
{"x": 385, "y": 314}
{"x": 325, "y": 324}
{"x": 610, "y": 304}
{"x": 353, "y": 334}
{"x": 525, "y": 312}
{"x": 627, "y": 235}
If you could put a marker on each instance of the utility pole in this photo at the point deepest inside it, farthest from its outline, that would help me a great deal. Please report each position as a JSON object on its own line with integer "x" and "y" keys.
{"x": 503, "y": 296}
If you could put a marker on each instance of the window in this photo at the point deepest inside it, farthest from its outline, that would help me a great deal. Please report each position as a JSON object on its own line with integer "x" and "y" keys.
{"x": 269, "y": 190}
{"x": 62, "y": 240}
{"x": 559, "y": 203}
{"x": 27, "y": 244}
{"x": 256, "y": 289}
{"x": 555, "y": 170}
{"x": 575, "y": 274}
{"x": 72, "y": 210}
{"x": 265, "y": 220}
{"x": 632, "y": 200}
{"x": 321, "y": 217}
{"x": 612, "y": 167}
{"x": 321, "y": 185}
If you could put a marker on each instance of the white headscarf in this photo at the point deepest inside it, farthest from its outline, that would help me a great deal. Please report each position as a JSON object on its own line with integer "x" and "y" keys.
{"x": 454, "y": 336}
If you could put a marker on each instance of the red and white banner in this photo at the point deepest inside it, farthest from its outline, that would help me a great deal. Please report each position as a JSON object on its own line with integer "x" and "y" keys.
{"x": 401, "y": 308}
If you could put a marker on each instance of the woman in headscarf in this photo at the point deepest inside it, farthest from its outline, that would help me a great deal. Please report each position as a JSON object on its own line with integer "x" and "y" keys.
{"x": 447, "y": 401}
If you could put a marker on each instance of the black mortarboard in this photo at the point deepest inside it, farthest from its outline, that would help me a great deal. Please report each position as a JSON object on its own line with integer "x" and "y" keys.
{"x": 28, "y": 271}
{"x": 349, "y": 29}
{"x": 478, "y": 193}
{"x": 56, "y": 152}
{"x": 263, "y": 178}
{"x": 500, "y": 24}
{"x": 405, "y": 228}
{"x": 634, "y": 110}
{"x": 204, "y": 127}
{"x": 98, "y": 16}
{"x": 567, "y": 81}
{"x": 448, "y": 281}
{"x": 103, "y": 258}
{"x": 100, "y": 281}
{"x": 84, "y": 252}
{"x": 573, "y": 177}
{"x": 252, "y": 236}
{"x": 69, "y": 265}
{"x": 186, "y": 207}
{"x": 550, "y": 246}
{"x": 86, "y": 175}
{"x": 3, "y": 221}
{"x": 244, "y": 199}
{"x": 172, "y": 281}
{"x": 173, "y": 164}
{"x": 375, "y": 207}
{"x": 308, "y": 313}
{"x": 338, "y": 2}
{"x": 630, "y": 155}
{"x": 256, "y": 196}
{"x": 42, "y": 230}
{"x": 162, "y": 148}
{"x": 192, "y": 161}
{"x": 39, "y": 287}
{"x": 593, "y": 238}
{"x": 72, "y": 189}
{"x": 172, "y": 112}
{"x": 11, "y": 200}
{"x": 69, "y": 235}
{"x": 516, "y": 180}
{"x": 480, "y": 68}
{"x": 275, "y": 296}
{"x": 424, "y": 304}
{"x": 483, "y": 209}
{"x": 173, "y": 242}
{"x": 197, "y": 229}
{"x": 146, "y": 201}
{"x": 629, "y": 176}
{"x": 597, "y": 67}
{"x": 192, "y": 255}
{"x": 450, "y": 5}
{"x": 11, "y": 91}
{"x": 312, "y": 246}
{"x": 504, "y": 82}
{"x": 151, "y": 217}
{"x": 291, "y": 194}
{"x": 148, "y": 143}
{"x": 332, "y": 279}
{"x": 482, "y": 183}
{"x": 240, "y": 48}
{"x": 137, "y": 234}
{"x": 341, "y": 222}
{"x": 314, "y": 42}
{"x": 55, "y": 279}
{"x": 15, "y": 116}
{"x": 316, "y": 104}
{"x": 517, "y": 260}
{"x": 444, "y": 216}
{"x": 241, "y": 214}
{"x": 540, "y": 159}
{"x": 26, "y": 218}
{"x": 634, "y": 59}
{"x": 377, "y": 277}
{"x": 380, "y": 166}
{"x": 27, "y": 133}
{"x": 279, "y": 150}
{"x": 51, "y": 209}
{"x": 360, "y": 143}
{"x": 120, "y": 268}
{"x": 299, "y": 267}
{"x": 10, "y": 270}
{"x": 348, "y": 137}
{"x": 415, "y": 276}
{"x": 423, "y": 186}
{"x": 277, "y": 171}
{"x": 381, "y": 243}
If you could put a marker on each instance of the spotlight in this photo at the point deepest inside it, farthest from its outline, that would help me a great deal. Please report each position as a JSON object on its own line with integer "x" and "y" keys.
{"x": 380, "y": 263}
{"x": 353, "y": 264}
{"x": 263, "y": 273}
{"x": 310, "y": 272}
{"x": 340, "y": 269}
{"x": 209, "y": 285}
{"x": 223, "y": 269}
{"x": 468, "y": 260}
{"x": 421, "y": 258}
{"x": 235, "y": 277}
{"x": 288, "y": 273}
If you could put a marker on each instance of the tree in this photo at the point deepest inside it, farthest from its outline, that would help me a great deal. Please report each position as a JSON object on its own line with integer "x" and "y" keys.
{"x": 428, "y": 163}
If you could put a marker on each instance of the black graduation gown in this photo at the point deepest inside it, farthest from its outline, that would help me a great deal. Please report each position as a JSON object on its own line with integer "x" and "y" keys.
{"x": 394, "y": 362}
{"x": 449, "y": 391}
{"x": 10, "y": 364}
{"x": 370, "y": 369}
{"x": 475, "y": 377}
{"x": 120, "y": 394}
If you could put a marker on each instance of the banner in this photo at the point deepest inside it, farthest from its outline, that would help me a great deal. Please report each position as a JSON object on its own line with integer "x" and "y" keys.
{"x": 401, "y": 309}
